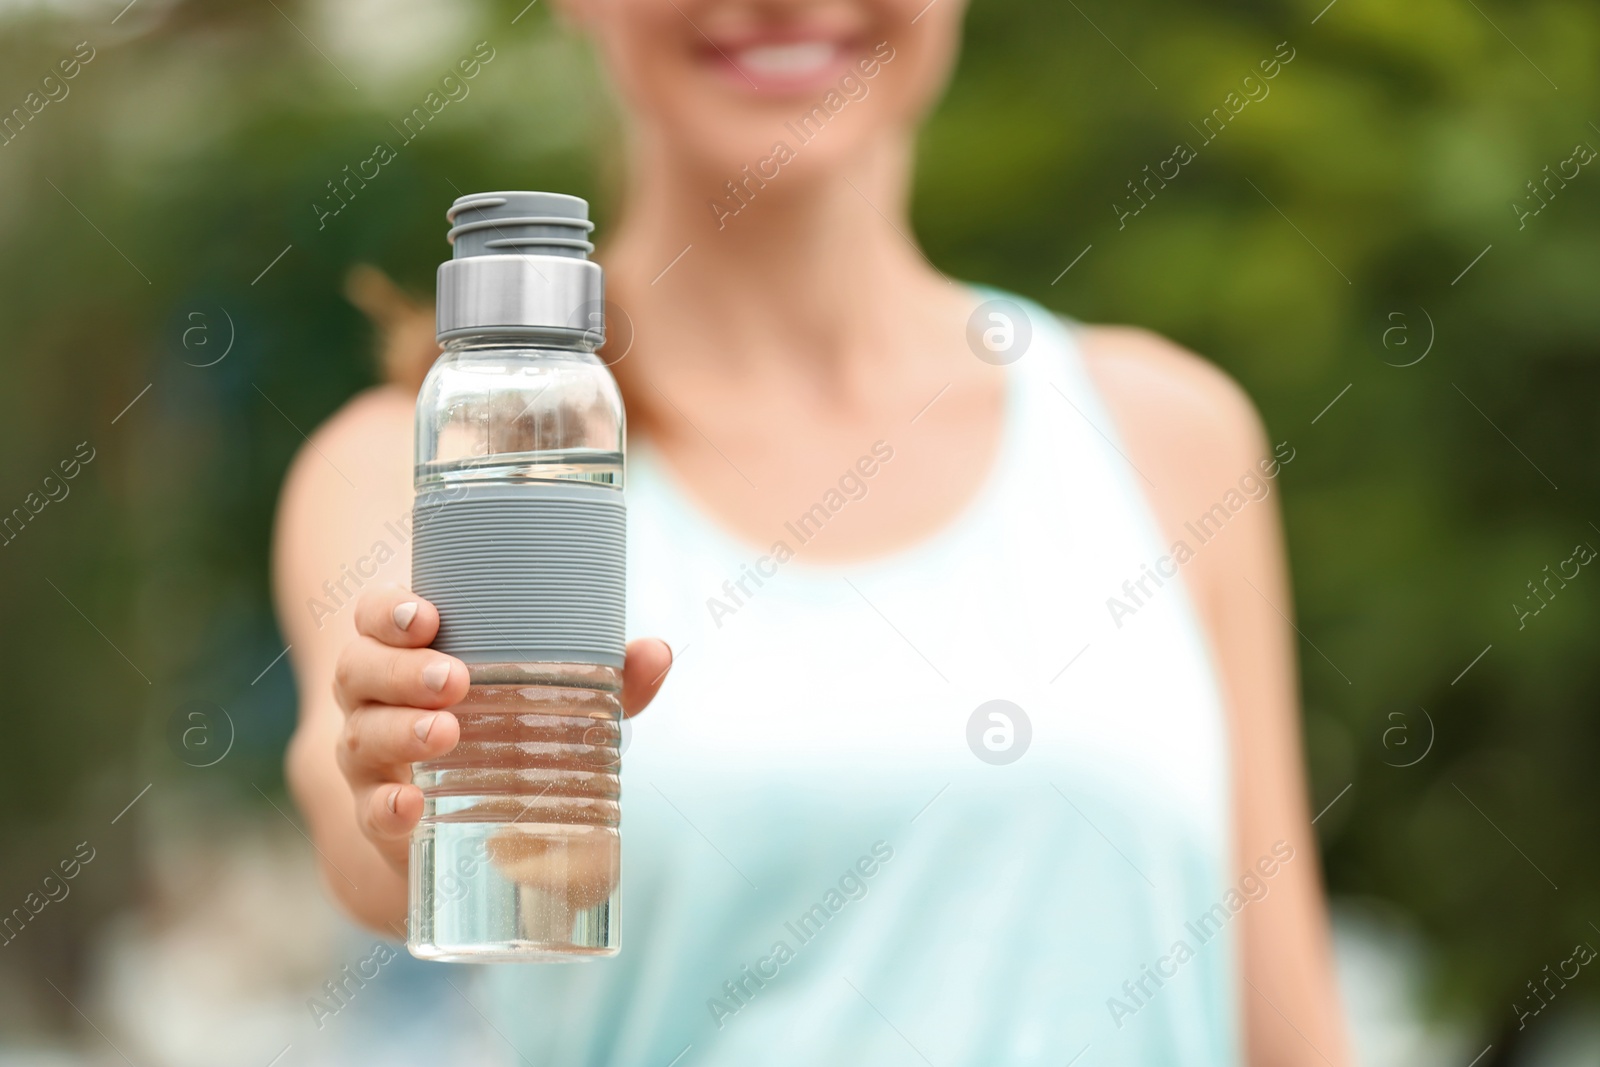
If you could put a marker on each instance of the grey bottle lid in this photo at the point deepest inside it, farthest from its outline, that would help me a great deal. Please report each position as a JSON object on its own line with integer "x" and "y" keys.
{"x": 520, "y": 223}
{"x": 520, "y": 269}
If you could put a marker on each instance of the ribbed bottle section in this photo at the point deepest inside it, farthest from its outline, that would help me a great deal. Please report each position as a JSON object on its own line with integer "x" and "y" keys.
{"x": 530, "y": 573}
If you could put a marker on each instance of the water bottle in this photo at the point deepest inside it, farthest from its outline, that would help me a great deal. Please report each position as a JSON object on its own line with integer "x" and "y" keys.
{"x": 519, "y": 541}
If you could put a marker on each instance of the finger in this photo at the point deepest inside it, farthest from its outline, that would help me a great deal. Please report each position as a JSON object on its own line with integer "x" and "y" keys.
{"x": 369, "y": 672}
{"x": 380, "y": 743}
{"x": 387, "y": 812}
{"x": 643, "y": 670}
{"x": 397, "y": 617}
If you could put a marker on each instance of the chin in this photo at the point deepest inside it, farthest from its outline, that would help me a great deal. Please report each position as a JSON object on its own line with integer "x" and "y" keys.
{"x": 804, "y": 144}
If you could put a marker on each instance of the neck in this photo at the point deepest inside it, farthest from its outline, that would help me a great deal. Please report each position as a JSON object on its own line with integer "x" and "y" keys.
{"x": 809, "y": 264}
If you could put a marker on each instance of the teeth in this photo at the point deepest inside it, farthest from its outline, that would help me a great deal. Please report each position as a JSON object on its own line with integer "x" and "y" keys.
{"x": 787, "y": 60}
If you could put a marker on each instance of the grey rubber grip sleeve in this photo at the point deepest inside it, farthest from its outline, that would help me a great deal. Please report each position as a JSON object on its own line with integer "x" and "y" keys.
{"x": 524, "y": 573}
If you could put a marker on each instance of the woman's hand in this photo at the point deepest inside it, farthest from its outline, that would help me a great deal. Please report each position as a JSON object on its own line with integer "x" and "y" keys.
{"x": 394, "y": 690}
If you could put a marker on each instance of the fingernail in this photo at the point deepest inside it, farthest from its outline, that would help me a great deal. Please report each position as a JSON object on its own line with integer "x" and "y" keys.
{"x": 404, "y": 613}
{"x": 434, "y": 675}
{"x": 424, "y": 727}
{"x": 394, "y": 798}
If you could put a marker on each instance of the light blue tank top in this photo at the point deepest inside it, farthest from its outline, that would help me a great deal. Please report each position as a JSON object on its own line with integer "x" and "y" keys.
{"x": 817, "y": 866}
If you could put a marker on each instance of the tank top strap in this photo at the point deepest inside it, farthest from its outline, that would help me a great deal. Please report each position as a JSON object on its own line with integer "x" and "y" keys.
{"x": 1062, "y": 432}
{"x": 1055, "y": 403}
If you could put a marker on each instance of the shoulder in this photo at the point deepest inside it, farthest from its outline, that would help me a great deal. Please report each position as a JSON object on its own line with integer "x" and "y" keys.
{"x": 356, "y": 445}
{"x": 1160, "y": 393}
{"x": 1195, "y": 438}
{"x": 382, "y": 411}
{"x": 360, "y": 455}
{"x": 1189, "y": 427}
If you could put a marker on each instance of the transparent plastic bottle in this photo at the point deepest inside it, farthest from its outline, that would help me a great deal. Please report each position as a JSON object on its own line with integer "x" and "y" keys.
{"x": 518, "y": 538}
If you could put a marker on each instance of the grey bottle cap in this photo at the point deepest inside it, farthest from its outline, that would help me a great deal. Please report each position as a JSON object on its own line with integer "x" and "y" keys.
{"x": 544, "y": 224}
{"x": 520, "y": 270}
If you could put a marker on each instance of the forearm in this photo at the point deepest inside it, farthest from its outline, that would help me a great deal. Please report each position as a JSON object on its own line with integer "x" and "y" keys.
{"x": 1290, "y": 1000}
{"x": 1290, "y": 997}
{"x": 365, "y": 884}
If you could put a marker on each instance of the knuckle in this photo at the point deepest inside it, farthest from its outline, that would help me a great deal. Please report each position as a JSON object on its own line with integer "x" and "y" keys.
{"x": 344, "y": 674}
{"x": 372, "y": 608}
{"x": 341, "y": 674}
{"x": 353, "y": 745}
{"x": 365, "y": 671}
{"x": 402, "y": 675}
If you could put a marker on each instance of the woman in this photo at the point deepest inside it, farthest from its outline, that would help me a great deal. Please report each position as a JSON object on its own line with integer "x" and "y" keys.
{"x": 1117, "y": 863}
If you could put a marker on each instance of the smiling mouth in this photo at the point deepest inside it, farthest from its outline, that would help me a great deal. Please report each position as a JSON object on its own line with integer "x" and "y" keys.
{"x": 780, "y": 61}
{"x": 792, "y": 65}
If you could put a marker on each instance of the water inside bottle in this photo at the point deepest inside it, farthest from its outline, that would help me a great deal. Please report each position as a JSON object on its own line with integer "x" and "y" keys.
{"x": 593, "y": 465}
{"x": 518, "y": 855}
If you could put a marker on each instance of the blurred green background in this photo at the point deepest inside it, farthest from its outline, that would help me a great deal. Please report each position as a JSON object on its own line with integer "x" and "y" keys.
{"x": 1314, "y": 248}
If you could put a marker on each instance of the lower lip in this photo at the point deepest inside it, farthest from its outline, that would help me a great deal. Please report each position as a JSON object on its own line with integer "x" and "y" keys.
{"x": 821, "y": 77}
